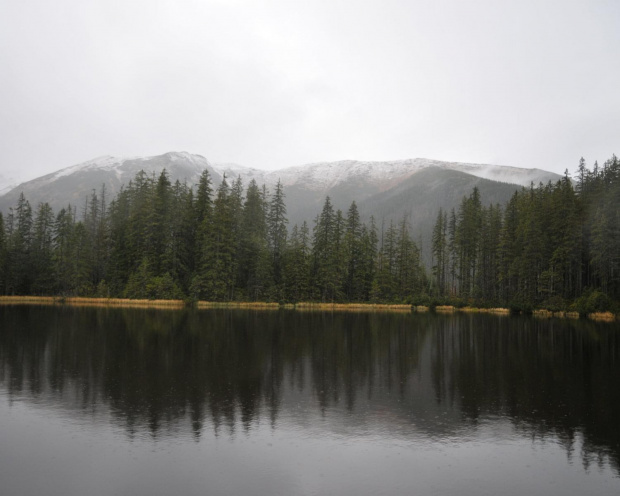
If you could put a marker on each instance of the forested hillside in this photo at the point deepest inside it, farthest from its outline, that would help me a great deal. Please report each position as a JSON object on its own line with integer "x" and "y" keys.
{"x": 161, "y": 240}
{"x": 550, "y": 246}
{"x": 421, "y": 196}
{"x": 553, "y": 245}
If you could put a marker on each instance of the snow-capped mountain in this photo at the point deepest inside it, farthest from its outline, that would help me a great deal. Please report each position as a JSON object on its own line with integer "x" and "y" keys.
{"x": 326, "y": 175}
{"x": 7, "y": 183}
{"x": 305, "y": 186}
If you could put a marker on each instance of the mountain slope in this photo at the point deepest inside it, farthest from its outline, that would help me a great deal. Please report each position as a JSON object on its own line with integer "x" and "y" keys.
{"x": 73, "y": 184}
{"x": 305, "y": 186}
{"x": 420, "y": 197}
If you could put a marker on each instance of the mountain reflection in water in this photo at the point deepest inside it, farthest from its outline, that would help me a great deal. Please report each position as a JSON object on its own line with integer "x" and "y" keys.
{"x": 404, "y": 376}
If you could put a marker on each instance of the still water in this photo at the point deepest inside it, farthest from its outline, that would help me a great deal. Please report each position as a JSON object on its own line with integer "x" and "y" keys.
{"x": 158, "y": 402}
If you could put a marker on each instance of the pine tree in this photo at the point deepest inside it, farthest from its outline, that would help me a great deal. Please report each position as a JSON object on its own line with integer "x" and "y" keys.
{"x": 409, "y": 275}
{"x": 158, "y": 228}
{"x": 203, "y": 211}
{"x": 440, "y": 251}
{"x": 42, "y": 250}
{"x": 325, "y": 254}
{"x": 120, "y": 262}
{"x": 183, "y": 232}
{"x": 452, "y": 252}
{"x": 254, "y": 257}
{"x": 354, "y": 255}
{"x": 385, "y": 285}
{"x": 20, "y": 273}
{"x": 215, "y": 277}
{"x": 297, "y": 265}
{"x": 369, "y": 257}
{"x": 63, "y": 250}
{"x": 277, "y": 230}
{"x": 81, "y": 282}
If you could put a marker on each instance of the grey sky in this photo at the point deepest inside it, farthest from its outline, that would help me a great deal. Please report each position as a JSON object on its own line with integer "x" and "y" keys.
{"x": 276, "y": 83}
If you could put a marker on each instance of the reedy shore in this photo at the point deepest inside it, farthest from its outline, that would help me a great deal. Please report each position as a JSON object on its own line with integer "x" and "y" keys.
{"x": 300, "y": 306}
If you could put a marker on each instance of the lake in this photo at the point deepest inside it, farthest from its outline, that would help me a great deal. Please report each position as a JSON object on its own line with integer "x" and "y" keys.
{"x": 98, "y": 401}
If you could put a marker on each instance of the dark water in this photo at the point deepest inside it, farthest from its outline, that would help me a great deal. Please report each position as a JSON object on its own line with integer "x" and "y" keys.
{"x": 153, "y": 402}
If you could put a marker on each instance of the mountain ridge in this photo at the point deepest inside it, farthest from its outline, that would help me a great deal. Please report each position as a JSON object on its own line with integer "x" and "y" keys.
{"x": 305, "y": 186}
{"x": 316, "y": 176}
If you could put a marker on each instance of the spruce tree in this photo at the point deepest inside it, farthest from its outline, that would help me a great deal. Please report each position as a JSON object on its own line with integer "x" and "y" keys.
{"x": 325, "y": 252}
{"x": 276, "y": 222}
{"x": 42, "y": 251}
{"x": 254, "y": 257}
{"x": 440, "y": 252}
{"x": 215, "y": 277}
{"x": 297, "y": 265}
{"x": 354, "y": 256}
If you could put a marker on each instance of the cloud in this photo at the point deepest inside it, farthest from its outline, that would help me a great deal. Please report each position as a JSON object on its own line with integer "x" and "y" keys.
{"x": 277, "y": 83}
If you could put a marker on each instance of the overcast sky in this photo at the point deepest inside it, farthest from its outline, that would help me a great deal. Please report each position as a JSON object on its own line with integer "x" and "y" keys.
{"x": 275, "y": 83}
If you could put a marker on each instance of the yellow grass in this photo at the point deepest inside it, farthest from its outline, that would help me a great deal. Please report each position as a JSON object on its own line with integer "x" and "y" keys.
{"x": 28, "y": 300}
{"x": 351, "y": 307}
{"x": 445, "y": 309}
{"x": 602, "y": 316}
{"x": 261, "y": 305}
{"x": 453, "y": 309}
{"x": 542, "y": 314}
{"x": 495, "y": 311}
{"x": 123, "y": 302}
{"x": 247, "y": 305}
{"x": 90, "y": 302}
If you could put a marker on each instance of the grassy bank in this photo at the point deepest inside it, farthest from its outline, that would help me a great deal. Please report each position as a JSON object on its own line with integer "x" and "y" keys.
{"x": 90, "y": 302}
{"x": 540, "y": 313}
{"x": 301, "y": 306}
{"x": 454, "y": 309}
{"x": 201, "y": 305}
{"x": 349, "y": 307}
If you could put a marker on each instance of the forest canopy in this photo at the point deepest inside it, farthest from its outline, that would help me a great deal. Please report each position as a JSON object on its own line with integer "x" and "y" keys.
{"x": 552, "y": 245}
{"x": 160, "y": 240}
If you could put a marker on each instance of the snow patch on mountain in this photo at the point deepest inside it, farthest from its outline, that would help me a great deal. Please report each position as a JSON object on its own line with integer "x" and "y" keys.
{"x": 7, "y": 183}
{"x": 107, "y": 162}
{"x": 326, "y": 175}
{"x": 317, "y": 177}
{"x": 320, "y": 176}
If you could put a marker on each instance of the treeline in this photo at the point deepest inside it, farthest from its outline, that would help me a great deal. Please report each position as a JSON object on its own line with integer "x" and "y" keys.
{"x": 554, "y": 246}
{"x": 160, "y": 240}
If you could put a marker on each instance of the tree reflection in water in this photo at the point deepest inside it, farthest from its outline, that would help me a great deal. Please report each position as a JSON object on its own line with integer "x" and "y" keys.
{"x": 163, "y": 371}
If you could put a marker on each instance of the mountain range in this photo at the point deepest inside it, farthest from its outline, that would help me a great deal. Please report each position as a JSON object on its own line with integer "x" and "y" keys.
{"x": 387, "y": 190}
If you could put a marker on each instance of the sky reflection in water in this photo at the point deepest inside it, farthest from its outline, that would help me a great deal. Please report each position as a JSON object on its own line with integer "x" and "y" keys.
{"x": 105, "y": 401}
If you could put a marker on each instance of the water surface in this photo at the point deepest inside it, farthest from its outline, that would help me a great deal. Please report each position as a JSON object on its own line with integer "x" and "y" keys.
{"x": 118, "y": 401}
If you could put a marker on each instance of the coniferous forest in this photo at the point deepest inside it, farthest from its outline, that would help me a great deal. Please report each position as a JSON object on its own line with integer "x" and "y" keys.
{"x": 555, "y": 246}
{"x": 160, "y": 240}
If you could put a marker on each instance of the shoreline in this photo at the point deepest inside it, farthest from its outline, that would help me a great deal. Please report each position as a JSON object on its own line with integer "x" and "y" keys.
{"x": 301, "y": 306}
{"x": 539, "y": 313}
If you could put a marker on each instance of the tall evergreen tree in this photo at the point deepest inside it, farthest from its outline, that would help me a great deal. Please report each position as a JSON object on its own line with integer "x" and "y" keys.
{"x": 277, "y": 230}
{"x": 254, "y": 257}
{"x": 297, "y": 265}
{"x": 440, "y": 251}
{"x": 42, "y": 251}
{"x": 63, "y": 250}
{"x": 215, "y": 277}
{"x": 325, "y": 274}
{"x": 354, "y": 256}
